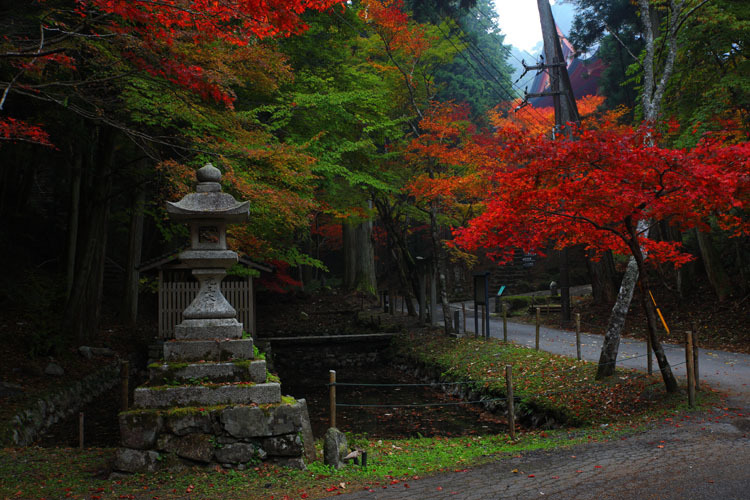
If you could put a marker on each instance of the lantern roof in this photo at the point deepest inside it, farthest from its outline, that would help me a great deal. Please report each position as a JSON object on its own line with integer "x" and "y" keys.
{"x": 208, "y": 202}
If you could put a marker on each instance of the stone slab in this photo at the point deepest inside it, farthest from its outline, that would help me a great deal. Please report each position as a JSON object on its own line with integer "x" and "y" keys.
{"x": 208, "y": 350}
{"x": 243, "y": 371}
{"x": 139, "y": 429}
{"x": 227, "y": 328}
{"x": 253, "y": 422}
{"x": 165, "y": 397}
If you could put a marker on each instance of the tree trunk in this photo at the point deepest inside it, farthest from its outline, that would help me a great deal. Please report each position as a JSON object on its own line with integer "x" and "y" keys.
{"x": 715, "y": 271}
{"x": 349, "y": 250}
{"x": 84, "y": 304}
{"x": 135, "y": 242}
{"x": 73, "y": 216}
{"x": 666, "y": 371}
{"x": 365, "y": 279}
{"x": 407, "y": 265}
{"x": 608, "y": 356}
{"x": 602, "y": 273}
{"x": 438, "y": 264}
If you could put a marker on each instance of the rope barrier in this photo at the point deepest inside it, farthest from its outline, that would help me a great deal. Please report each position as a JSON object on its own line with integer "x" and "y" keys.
{"x": 421, "y": 405}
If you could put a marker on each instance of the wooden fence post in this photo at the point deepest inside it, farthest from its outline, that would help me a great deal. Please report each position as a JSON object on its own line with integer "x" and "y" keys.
{"x": 332, "y": 395}
{"x": 689, "y": 367}
{"x": 538, "y": 320}
{"x": 509, "y": 394}
{"x": 505, "y": 322}
{"x": 124, "y": 383}
{"x": 649, "y": 361}
{"x": 578, "y": 336}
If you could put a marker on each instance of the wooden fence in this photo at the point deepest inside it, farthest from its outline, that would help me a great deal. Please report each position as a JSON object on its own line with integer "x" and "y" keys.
{"x": 175, "y": 296}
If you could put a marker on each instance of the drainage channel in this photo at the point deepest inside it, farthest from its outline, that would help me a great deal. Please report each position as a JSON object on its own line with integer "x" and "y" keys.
{"x": 385, "y": 409}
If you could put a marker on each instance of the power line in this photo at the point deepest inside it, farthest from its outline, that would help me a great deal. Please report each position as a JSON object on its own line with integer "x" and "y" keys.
{"x": 540, "y": 120}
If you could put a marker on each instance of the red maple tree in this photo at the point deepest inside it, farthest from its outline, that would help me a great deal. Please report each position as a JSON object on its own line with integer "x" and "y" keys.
{"x": 594, "y": 190}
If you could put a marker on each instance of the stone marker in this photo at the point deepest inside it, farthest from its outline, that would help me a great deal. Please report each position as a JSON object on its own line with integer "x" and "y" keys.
{"x": 335, "y": 448}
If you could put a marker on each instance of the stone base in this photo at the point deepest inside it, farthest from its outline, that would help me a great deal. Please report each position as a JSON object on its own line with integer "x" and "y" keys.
{"x": 208, "y": 350}
{"x": 206, "y": 395}
{"x": 238, "y": 371}
{"x": 231, "y": 436}
{"x": 191, "y": 329}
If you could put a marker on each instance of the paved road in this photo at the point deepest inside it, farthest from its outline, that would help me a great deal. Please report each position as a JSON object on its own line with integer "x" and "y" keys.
{"x": 727, "y": 370}
{"x": 706, "y": 457}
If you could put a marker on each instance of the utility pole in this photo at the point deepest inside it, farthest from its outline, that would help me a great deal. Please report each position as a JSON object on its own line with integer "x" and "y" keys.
{"x": 566, "y": 111}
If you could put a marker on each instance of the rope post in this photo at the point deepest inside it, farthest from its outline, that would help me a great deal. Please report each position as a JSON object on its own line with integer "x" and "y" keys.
{"x": 538, "y": 320}
{"x": 332, "y": 395}
{"x": 578, "y": 336}
{"x": 505, "y": 322}
{"x": 649, "y": 361}
{"x": 695, "y": 360}
{"x": 124, "y": 381}
{"x": 80, "y": 430}
{"x": 463, "y": 314}
{"x": 509, "y": 394}
{"x": 689, "y": 367}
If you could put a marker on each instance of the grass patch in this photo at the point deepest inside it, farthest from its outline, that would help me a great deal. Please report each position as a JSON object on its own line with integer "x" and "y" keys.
{"x": 544, "y": 382}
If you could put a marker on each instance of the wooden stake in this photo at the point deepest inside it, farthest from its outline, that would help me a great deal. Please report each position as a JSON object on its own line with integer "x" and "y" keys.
{"x": 332, "y": 395}
{"x": 80, "y": 430}
{"x": 509, "y": 395}
{"x": 578, "y": 336}
{"x": 649, "y": 361}
{"x": 505, "y": 322}
{"x": 124, "y": 383}
{"x": 690, "y": 367}
{"x": 696, "y": 371}
{"x": 538, "y": 320}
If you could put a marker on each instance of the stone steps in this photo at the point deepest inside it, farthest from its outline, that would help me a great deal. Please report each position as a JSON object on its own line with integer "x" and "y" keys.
{"x": 237, "y": 371}
{"x": 206, "y": 395}
{"x": 208, "y": 350}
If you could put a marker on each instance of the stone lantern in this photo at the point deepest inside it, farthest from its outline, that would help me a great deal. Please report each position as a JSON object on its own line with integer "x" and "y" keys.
{"x": 208, "y": 371}
{"x": 208, "y": 211}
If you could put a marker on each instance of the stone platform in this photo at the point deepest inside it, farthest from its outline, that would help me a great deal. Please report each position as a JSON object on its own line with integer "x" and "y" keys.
{"x": 211, "y": 402}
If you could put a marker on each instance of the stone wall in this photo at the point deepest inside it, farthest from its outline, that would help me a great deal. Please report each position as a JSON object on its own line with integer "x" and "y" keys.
{"x": 232, "y": 436}
{"x": 27, "y": 425}
{"x": 320, "y": 354}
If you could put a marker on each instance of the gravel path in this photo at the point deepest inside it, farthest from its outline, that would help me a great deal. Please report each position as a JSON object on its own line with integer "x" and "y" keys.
{"x": 703, "y": 457}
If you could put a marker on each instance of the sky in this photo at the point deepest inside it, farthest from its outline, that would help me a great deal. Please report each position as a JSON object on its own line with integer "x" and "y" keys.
{"x": 519, "y": 20}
